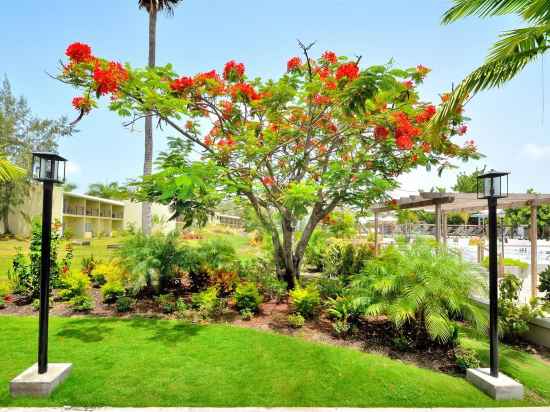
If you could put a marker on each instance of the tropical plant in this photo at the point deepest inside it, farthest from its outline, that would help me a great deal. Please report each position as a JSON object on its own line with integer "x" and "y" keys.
{"x": 325, "y": 134}
{"x": 112, "y": 291}
{"x": 166, "y": 303}
{"x": 10, "y": 172}
{"x": 208, "y": 303}
{"x": 509, "y": 55}
{"x": 305, "y": 301}
{"x": 108, "y": 191}
{"x": 514, "y": 317}
{"x": 466, "y": 358}
{"x": 152, "y": 262}
{"x": 341, "y": 224}
{"x": 467, "y": 182}
{"x": 124, "y": 304}
{"x": 73, "y": 284}
{"x": 81, "y": 303}
{"x": 544, "y": 283}
{"x": 296, "y": 320}
{"x": 152, "y": 7}
{"x": 247, "y": 297}
{"x": 425, "y": 285}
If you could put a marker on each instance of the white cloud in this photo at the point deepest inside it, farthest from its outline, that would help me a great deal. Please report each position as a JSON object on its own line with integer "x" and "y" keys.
{"x": 72, "y": 168}
{"x": 536, "y": 151}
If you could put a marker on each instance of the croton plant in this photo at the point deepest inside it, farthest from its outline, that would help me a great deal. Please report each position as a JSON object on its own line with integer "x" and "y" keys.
{"x": 329, "y": 132}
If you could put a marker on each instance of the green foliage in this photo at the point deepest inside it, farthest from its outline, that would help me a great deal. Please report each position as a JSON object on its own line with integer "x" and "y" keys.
{"x": 425, "y": 285}
{"x": 81, "y": 303}
{"x": 181, "y": 306}
{"x": 262, "y": 272}
{"x": 24, "y": 274}
{"x": 467, "y": 182}
{"x": 109, "y": 191}
{"x": 208, "y": 303}
{"x": 305, "y": 301}
{"x": 2, "y": 303}
{"x": 507, "y": 262}
{"x": 247, "y": 297}
{"x": 152, "y": 261}
{"x": 124, "y": 304}
{"x": 296, "y": 320}
{"x": 316, "y": 249}
{"x": 330, "y": 288}
{"x": 111, "y": 291}
{"x": 466, "y": 358}
{"x": 342, "y": 224}
{"x": 73, "y": 284}
{"x": 166, "y": 303}
{"x": 246, "y": 314}
{"x": 344, "y": 259}
{"x": 514, "y": 318}
{"x": 544, "y": 283}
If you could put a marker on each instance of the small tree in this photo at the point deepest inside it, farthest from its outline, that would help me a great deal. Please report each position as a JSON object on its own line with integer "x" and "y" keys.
{"x": 326, "y": 133}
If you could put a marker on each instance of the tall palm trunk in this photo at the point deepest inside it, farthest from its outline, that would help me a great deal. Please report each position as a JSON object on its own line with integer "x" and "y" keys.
{"x": 146, "y": 216}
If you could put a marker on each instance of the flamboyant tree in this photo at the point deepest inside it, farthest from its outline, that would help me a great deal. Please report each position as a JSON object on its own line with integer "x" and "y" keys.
{"x": 326, "y": 133}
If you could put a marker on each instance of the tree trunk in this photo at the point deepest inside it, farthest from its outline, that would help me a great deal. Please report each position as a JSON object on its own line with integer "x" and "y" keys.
{"x": 146, "y": 217}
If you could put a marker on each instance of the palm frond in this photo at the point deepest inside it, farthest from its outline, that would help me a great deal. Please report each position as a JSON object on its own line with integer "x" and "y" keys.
{"x": 522, "y": 40}
{"x": 487, "y": 8}
{"x": 10, "y": 172}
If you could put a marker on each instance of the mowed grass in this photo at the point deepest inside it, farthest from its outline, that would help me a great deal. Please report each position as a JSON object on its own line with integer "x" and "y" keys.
{"x": 145, "y": 362}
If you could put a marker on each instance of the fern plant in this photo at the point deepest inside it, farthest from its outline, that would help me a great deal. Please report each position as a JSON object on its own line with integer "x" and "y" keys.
{"x": 423, "y": 284}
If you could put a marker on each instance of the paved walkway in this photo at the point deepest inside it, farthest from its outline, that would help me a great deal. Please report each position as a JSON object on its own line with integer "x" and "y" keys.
{"x": 253, "y": 409}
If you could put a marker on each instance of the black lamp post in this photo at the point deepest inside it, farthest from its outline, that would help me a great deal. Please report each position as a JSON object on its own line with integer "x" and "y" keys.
{"x": 48, "y": 168}
{"x": 490, "y": 187}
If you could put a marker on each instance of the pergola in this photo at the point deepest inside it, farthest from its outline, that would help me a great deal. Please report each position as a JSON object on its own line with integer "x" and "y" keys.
{"x": 444, "y": 203}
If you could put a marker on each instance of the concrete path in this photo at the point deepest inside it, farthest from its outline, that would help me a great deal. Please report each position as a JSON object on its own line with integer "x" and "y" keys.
{"x": 253, "y": 409}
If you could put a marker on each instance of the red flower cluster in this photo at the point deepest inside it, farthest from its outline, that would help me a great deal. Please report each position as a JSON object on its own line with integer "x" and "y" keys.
{"x": 426, "y": 115}
{"x": 182, "y": 84}
{"x": 108, "y": 80}
{"x": 381, "y": 133}
{"x": 226, "y": 143}
{"x": 426, "y": 147}
{"x": 227, "y": 109}
{"x": 267, "y": 180}
{"x": 244, "y": 89}
{"x": 79, "y": 52}
{"x": 462, "y": 130}
{"x": 330, "y": 57}
{"x": 349, "y": 70}
{"x": 293, "y": 64}
{"x": 323, "y": 72}
{"x": 408, "y": 84}
{"x": 321, "y": 100}
{"x": 233, "y": 70}
{"x": 405, "y": 132}
{"x": 82, "y": 103}
{"x": 203, "y": 77}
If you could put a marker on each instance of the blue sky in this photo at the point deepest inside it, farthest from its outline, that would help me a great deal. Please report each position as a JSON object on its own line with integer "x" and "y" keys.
{"x": 508, "y": 124}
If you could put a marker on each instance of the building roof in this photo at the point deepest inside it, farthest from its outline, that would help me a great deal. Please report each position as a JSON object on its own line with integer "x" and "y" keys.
{"x": 96, "y": 199}
{"x": 461, "y": 202}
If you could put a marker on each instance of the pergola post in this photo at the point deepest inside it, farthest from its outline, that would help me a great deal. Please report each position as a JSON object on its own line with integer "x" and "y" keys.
{"x": 533, "y": 240}
{"x": 438, "y": 222}
{"x": 444, "y": 228}
{"x": 375, "y": 234}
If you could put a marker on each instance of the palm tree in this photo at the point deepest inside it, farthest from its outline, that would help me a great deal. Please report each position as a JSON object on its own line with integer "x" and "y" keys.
{"x": 108, "y": 191}
{"x": 509, "y": 55}
{"x": 152, "y": 7}
{"x": 9, "y": 171}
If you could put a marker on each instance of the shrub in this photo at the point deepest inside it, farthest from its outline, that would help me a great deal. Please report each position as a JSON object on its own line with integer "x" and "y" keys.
{"x": 262, "y": 272}
{"x": 296, "y": 321}
{"x": 507, "y": 262}
{"x": 124, "y": 304}
{"x": 424, "y": 285}
{"x": 181, "y": 306}
{"x": 208, "y": 303}
{"x": 224, "y": 280}
{"x": 306, "y": 301}
{"x": 515, "y": 317}
{"x": 81, "y": 303}
{"x": 209, "y": 257}
{"x": 246, "y": 314}
{"x": 345, "y": 259}
{"x": 166, "y": 303}
{"x": 346, "y": 308}
{"x": 112, "y": 291}
{"x": 544, "y": 285}
{"x": 341, "y": 328}
{"x": 73, "y": 284}
{"x": 247, "y": 297}
{"x": 466, "y": 358}
{"x": 402, "y": 343}
{"x": 2, "y": 302}
{"x": 36, "y": 304}
{"x": 330, "y": 287}
{"x": 152, "y": 262}
{"x": 316, "y": 249}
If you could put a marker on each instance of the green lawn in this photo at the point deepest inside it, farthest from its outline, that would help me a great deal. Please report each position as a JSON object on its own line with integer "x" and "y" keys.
{"x": 144, "y": 362}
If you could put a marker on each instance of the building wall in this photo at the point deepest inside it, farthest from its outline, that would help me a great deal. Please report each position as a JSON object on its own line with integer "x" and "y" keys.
{"x": 160, "y": 213}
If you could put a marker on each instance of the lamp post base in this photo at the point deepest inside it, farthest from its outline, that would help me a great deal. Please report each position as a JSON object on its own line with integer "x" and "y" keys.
{"x": 501, "y": 388}
{"x": 31, "y": 383}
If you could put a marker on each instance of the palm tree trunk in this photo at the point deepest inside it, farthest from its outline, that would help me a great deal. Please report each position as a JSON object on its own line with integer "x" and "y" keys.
{"x": 146, "y": 217}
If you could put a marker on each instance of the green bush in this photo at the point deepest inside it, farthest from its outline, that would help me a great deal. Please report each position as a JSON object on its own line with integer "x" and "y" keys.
{"x": 316, "y": 249}
{"x": 544, "y": 285}
{"x": 422, "y": 285}
{"x": 36, "y": 304}
{"x": 296, "y": 321}
{"x": 306, "y": 301}
{"x": 507, "y": 262}
{"x": 515, "y": 317}
{"x": 262, "y": 272}
{"x": 124, "y": 304}
{"x": 181, "y": 306}
{"x": 246, "y": 314}
{"x": 166, "y": 303}
{"x": 208, "y": 303}
{"x": 2, "y": 302}
{"x": 73, "y": 284}
{"x": 466, "y": 358}
{"x": 344, "y": 259}
{"x": 247, "y": 297}
{"x": 112, "y": 291}
{"x": 153, "y": 262}
{"x": 330, "y": 287}
{"x": 342, "y": 224}
{"x": 81, "y": 303}
{"x": 341, "y": 328}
